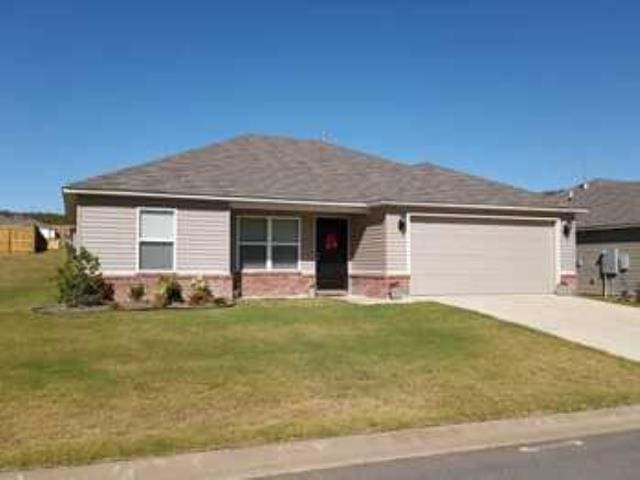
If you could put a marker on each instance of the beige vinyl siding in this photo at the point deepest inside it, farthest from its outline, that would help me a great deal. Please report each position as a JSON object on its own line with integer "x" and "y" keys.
{"x": 307, "y": 255}
{"x": 203, "y": 240}
{"x": 107, "y": 226}
{"x": 568, "y": 250}
{"x": 370, "y": 236}
{"x": 307, "y": 234}
{"x": 589, "y": 279}
{"x": 368, "y": 243}
{"x": 474, "y": 256}
{"x": 591, "y": 245}
{"x": 395, "y": 244}
{"x": 110, "y": 233}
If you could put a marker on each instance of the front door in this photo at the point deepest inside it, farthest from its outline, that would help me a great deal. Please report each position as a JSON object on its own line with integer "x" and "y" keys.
{"x": 331, "y": 254}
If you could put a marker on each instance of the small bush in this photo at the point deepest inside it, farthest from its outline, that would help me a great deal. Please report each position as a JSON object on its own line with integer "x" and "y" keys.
{"x": 168, "y": 291}
{"x": 80, "y": 282}
{"x": 199, "y": 298}
{"x": 136, "y": 292}
{"x": 199, "y": 292}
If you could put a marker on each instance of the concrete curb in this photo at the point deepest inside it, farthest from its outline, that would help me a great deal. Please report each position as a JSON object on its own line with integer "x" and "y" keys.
{"x": 307, "y": 455}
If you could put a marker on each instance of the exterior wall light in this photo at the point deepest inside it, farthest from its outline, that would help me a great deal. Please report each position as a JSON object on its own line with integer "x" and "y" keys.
{"x": 402, "y": 225}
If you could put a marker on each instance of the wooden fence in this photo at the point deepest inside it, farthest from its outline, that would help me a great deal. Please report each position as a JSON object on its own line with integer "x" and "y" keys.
{"x": 21, "y": 238}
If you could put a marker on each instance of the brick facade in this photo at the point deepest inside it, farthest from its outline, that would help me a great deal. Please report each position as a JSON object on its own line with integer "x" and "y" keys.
{"x": 220, "y": 285}
{"x": 275, "y": 284}
{"x": 568, "y": 284}
{"x": 380, "y": 286}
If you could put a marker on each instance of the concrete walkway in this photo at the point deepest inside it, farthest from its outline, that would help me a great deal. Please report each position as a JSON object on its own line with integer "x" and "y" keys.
{"x": 292, "y": 457}
{"x": 609, "y": 327}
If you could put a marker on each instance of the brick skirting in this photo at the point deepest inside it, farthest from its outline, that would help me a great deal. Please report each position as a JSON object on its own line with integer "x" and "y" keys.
{"x": 275, "y": 284}
{"x": 568, "y": 284}
{"x": 380, "y": 286}
{"x": 220, "y": 285}
{"x": 265, "y": 284}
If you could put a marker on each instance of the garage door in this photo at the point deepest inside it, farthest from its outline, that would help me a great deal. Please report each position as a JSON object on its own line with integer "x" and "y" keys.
{"x": 472, "y": 256}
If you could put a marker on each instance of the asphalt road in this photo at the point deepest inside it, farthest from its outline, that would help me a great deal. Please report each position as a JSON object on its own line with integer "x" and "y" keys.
{"x": 603, "y": 457}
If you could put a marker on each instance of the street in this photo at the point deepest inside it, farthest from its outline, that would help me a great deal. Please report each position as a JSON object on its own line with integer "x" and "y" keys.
{"x": 602, "y": 457}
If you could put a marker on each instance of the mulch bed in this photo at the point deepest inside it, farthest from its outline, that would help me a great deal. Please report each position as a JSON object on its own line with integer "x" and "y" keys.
{"x": 59, "y": 309}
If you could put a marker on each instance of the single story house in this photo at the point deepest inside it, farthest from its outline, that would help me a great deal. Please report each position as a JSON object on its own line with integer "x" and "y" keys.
{"x": 263, "y": 216}
{"x": 612, "y": 222}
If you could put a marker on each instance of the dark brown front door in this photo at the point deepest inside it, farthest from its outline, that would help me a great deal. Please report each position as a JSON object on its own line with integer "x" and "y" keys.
{"x": 331, "y": 253}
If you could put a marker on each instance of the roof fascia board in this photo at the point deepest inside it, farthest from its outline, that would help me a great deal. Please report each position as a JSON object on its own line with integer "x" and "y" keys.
{"x": 249, "y": 206}
{"x": 276, "y": 201}
{"x": 620, "y": 226}
{"x": 459, "y": 206}
{"x": 122, "y": 193}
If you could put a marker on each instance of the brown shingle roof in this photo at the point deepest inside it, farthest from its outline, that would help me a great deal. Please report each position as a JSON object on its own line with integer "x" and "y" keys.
{"x": 289, "y": 169}
{"x": 445, "y": 185}
{"x": 611, "y": 203}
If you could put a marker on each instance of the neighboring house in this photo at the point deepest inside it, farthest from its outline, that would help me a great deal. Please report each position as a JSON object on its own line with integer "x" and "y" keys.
{"x": 56, "y": 235}
{"x": 612, "y": 222}
{"x": 50, "y": 235}
{"x": 273, "y": 216}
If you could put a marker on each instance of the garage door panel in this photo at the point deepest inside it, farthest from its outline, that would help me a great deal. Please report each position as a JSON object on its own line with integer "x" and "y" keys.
{"x": 481, "y": 256}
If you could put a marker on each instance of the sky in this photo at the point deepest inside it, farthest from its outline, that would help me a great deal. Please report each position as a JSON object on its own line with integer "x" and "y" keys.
{"x": 537, "y": 94}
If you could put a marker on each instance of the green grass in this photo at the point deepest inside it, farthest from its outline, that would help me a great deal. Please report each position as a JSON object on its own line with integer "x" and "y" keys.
{"x": 83, "y": 387}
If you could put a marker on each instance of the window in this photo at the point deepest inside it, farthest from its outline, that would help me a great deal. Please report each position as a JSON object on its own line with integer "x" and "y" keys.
{"x": 156, "y": 239}
{"x": 284, "y": 243}
{"x": 253, "y": 242}
{"x": 268, "y": 243}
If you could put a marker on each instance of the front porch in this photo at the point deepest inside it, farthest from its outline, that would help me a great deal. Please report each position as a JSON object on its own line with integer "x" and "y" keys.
{"x": 309, "y": 253}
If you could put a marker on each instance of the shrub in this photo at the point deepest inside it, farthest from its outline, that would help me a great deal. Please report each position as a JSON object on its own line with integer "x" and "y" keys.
{"x": 168, "y": 291}
{"x": 136, "y": 292}
{"x": 199, "y": 292}
{"x": 80, "y": 282}
{"x": 222, "y": 302}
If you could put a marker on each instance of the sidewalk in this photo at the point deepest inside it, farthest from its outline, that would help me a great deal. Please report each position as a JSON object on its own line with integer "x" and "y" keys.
{"x": 343, "y": 451}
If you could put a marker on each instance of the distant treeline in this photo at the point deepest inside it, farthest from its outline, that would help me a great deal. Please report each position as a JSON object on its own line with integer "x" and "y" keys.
{"x": 44, "y": 217}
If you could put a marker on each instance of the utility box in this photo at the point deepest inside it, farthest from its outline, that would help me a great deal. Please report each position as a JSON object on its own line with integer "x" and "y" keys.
{"x": 610, "y": 261}
{"x": 624, "y": 262}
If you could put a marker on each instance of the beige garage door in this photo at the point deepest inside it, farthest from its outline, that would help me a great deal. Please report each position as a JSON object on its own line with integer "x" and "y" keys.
{"x": 470, "y": 256}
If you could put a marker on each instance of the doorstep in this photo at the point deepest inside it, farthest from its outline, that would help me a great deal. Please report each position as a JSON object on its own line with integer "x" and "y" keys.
{"x": 332, "y": 293}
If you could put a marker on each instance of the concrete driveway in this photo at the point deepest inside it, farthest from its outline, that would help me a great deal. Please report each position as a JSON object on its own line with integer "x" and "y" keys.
{"x": 605, "y": 326}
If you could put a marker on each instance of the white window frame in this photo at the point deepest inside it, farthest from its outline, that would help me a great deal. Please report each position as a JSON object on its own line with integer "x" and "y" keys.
{"x": 268, "y": 244}
{"x": 174, "y": 241}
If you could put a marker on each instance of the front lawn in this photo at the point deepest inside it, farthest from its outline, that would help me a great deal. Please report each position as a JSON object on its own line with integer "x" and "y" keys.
{"x": 118, "y": 384}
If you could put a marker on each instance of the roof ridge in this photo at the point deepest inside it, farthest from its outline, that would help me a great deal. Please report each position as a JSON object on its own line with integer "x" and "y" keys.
{"x": 326, "y": 143}
{"x": 578, "y": 187}
{"x": 611, "y": 180}
{"x": 368, "y": 156}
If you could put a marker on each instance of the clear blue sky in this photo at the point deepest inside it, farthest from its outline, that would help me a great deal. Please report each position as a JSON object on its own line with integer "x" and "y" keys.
{"x": 531, "y": 93}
